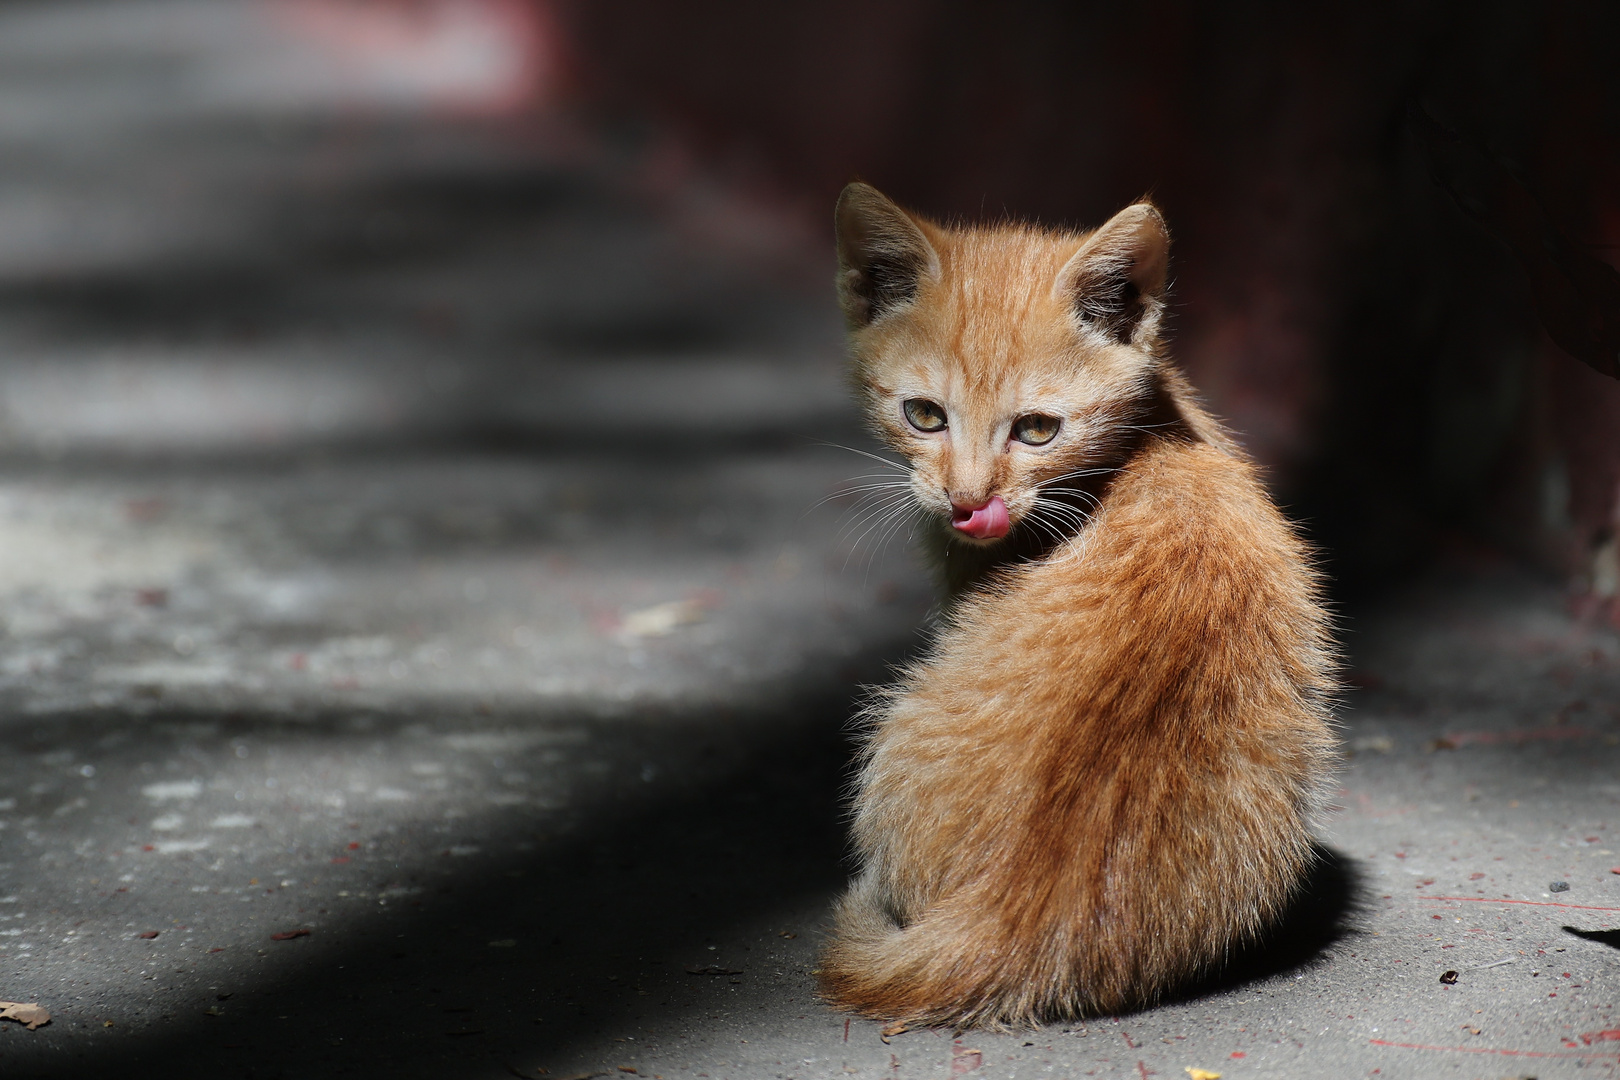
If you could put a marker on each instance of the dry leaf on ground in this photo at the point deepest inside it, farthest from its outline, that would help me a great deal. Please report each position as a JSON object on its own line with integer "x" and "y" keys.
{"x": 1202, "y": 1074}
{"x": 661, "y": 619}
{"x": 892, "y": 1030}
{"x": 24, "y": 1013}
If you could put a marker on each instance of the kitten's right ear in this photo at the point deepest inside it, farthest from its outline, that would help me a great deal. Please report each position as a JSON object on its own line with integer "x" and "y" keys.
{"x": 882, "y": 254}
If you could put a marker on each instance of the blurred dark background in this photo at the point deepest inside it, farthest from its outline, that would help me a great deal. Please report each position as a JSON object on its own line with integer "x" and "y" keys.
{"x": 1396, "y": 224}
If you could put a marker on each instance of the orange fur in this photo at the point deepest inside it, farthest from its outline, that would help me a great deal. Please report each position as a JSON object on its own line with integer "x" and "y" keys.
{"x": 1100, "y": 780}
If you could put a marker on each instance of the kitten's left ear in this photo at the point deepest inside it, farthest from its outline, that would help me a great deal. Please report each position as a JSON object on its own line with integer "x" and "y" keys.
{"x": 1115, "y": 283}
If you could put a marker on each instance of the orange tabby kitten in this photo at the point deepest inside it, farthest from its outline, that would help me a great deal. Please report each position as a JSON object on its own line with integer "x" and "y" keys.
{"x": 1099, "y": 781}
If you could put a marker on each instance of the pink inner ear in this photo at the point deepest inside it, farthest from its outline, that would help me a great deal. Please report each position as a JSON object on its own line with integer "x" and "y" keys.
{"x": 987, "y": 522}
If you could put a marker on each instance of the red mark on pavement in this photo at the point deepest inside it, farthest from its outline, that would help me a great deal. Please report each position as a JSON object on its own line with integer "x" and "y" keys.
{"x": 1532, "y": 903}
{"x": 341, "y": 859}
{"x": 1611, "y": 1035}
{"x": 1142, "y": 1070}
{"x": 846, "y": 1029}
{"x": 964, "y": 1060}
{"x": 1495, "y": 1050}
{"x": 1238, "y": 1054}
{"x": 1128, "y": 1042}
{"x": 288, "y": 935}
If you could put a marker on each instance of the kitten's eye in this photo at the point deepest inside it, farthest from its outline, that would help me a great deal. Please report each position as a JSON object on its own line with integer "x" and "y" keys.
{"x": 924, "y": 415}
{"x": 1036, "y": 429}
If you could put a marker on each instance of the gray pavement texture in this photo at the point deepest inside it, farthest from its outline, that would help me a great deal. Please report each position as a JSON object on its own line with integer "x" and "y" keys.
{"x": 423, "y": 653}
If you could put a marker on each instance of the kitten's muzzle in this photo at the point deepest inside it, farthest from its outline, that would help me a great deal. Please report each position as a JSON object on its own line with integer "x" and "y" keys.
{"x": 987, "y": 521}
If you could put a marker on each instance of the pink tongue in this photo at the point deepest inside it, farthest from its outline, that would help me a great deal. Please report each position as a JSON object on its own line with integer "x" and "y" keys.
{"x": 987, "y": 522}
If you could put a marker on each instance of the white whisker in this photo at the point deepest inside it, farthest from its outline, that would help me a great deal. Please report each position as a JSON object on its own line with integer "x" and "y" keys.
{"x": 875, "y": 510}
{"x": 875, "y": 505}
{"x": 1077, "y": 474}
{"x": 864, "y": 491}
{"x": 865, "y": 454}
{"x": 891, "y": 530}
{"x": 881, "y": 521}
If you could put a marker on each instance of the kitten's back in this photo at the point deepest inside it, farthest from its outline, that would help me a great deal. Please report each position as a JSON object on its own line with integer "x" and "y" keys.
{"x": 1107, "y": 767}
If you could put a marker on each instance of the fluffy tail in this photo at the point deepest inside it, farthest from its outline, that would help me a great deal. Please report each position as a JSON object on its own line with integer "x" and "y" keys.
{"x": 946, "y": 967}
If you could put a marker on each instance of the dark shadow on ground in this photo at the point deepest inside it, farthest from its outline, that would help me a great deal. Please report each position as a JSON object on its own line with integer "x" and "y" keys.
{"x": 605, "y": 914}
{"x": 1325, "y": 909}
{"x": 565, "y": 268}
{"x": 671, "y": 446}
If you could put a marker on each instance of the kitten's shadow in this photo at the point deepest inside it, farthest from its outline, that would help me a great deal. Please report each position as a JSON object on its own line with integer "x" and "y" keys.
{"x": 1611, "y": 938}
{"x": 1326, "y": 909}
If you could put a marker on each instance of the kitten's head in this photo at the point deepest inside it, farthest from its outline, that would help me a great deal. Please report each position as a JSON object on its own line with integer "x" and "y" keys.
{"x": 1001, "y": 362}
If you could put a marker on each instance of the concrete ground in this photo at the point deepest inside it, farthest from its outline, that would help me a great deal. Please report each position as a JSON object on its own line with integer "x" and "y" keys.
{"x": 427, "y": 651}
